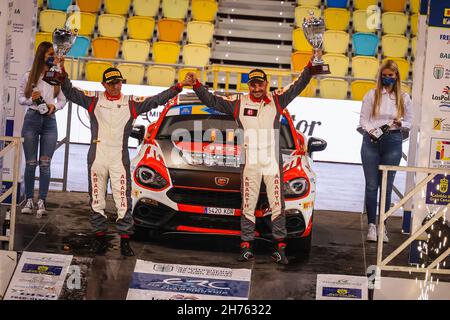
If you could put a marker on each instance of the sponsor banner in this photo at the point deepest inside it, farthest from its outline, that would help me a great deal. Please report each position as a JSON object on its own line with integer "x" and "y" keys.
{"x": 8, "y": 262}
{"x": 341, "y": 287}
{"x": 439, "y": 153}
{"x": 39, "y": 276}
{"x": 438, "y": 192}
{"x": 162, "y": 281}
{"x": 439, "y": 14}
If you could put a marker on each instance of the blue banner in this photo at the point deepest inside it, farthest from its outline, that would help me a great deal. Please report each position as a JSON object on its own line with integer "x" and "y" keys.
{"x": 439, "y": 13}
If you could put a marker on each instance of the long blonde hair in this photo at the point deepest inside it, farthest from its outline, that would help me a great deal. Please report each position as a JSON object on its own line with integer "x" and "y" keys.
{"x": 397, "y": 90}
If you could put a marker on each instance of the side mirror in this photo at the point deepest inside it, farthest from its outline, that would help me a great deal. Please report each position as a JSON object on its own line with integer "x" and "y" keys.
{"x": 315, "y": 145}
{"x": 138, "y": 133}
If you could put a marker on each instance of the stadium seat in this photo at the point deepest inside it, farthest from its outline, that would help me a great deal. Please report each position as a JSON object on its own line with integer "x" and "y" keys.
{"x": 105, "y": 48}
{"x": 365, "y": 44}
{"x": 92, "y": 6}
{"x": 170, "y": 30}
{"x": 337, "y": 3}
{"x": 333, "y": 88}
{"x": 87, "y": 21}
{"x": 394, "y": 22}
{"x": 414, "y": 6}
{"x": 403, "y": 66}
{"x": 111, "y": 25}
{"x": 338, "y": 64}
{"x": 135, "y": 50}
{"x": 299, "y": 60}
{"x": 204, "y": 10}
{"x": 80, "y": 47}
{"x": 160, "y": 76}
{"x": 336, "y": 18}
{"x": 365, "y": 67}
{"x": 335, "y": 41}
{"x": 41, "y": 37}
{"x": 302, "y": 12}
{"x": 61, "y": 5}
{"x": 196, "y": 55}
{"x": 364, "y": 4}
{"x": 74, "y": 68}
{"x": 175, "y": 9}
{"x": 117, "y": 7}
{"x": 310, "y": 90}
{"x": 146, "y": 8}
{"x": 166, "y": 52}
{"x": 95, "y": 69}
{"x": 140, "y": 27}
{"x": 299, "y": 41}
{"x": 359, "y": 88}
{"x": 40, "y": 3}
{"x": 133, "y": 73}
{"x": 414, "y": 24}
{"x": 394, "y": 45}
{"x": 362, "y": 21}
{"x": 309, "y": 3}
{"x": 49, "y": 20}
{"x": 413, "y": 46}
{"x": 394, "y": 5}
{"x": 200, "y": 32}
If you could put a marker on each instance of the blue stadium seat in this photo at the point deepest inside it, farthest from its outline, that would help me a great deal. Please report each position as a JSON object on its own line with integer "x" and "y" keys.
{"x": 365, "y": 44}
{"x": 337, "y": 3}
{"x": 60, "y": 5}
{"x": 80, "y": 47}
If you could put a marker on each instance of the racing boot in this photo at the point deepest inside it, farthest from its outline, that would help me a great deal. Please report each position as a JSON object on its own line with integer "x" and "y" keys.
{"x": 125, "y": 248}
{"x": 100, "y": 245}
{"x": 246, "y": 251}
{"x": 279, "y": 254}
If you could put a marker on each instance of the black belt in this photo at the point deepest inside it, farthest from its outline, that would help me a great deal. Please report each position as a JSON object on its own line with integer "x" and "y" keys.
{"x": 394, "y": 131}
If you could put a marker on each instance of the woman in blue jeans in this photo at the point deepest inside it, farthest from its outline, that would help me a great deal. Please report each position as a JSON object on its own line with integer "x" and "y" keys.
{"x": 39, "y": 130}
{"x": 387, "y": 106}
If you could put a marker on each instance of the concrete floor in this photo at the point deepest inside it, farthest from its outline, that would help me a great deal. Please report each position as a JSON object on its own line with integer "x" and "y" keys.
{"x": 339, "y": 247}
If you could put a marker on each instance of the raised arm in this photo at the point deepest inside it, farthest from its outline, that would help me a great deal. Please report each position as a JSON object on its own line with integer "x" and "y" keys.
{"x": 155, "y": 101}
{"x": 287, "y": 94}
{"x": 84, "y": 99}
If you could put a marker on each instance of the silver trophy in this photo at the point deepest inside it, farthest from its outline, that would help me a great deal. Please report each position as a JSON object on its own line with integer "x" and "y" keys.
{"x": 314, "y": 28}
{"x": 63, "y": 39}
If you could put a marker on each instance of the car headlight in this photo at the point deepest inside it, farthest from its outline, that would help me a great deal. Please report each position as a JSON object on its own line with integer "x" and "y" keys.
{"x": 151, "y": 178}
{"x": 296, "y": 187}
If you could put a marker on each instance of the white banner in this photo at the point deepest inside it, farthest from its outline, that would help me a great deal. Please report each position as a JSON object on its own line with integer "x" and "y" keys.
{"x": 341, "y": 287}
{"x": 8, "y": 262}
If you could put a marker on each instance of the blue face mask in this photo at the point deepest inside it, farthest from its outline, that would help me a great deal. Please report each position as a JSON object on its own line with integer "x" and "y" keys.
{"x": 50, "y": 61}
{"x": 388, "y": 81}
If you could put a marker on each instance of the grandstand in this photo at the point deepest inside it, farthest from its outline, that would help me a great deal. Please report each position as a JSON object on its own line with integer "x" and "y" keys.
{"x": 155, "y": 42}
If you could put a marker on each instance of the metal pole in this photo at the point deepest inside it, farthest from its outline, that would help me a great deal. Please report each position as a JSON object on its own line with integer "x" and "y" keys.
{"x": 381, "y": 214}
{"x": 67, "y": 147}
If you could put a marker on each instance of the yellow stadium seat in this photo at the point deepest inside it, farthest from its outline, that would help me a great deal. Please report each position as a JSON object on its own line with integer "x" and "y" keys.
{"x": 394, "y": 22}
{"x": 200, "y": 32}
{"x": 111, "y": 25}
{"x": 394, "y": 5}
{"x": 359, "y": 88}
{"x": 336, "y": 18}
{"x": 87, "y": 23}
{"x": 92, "y": 6}
{"x": 309, "y": 3}
{"x": 333, "y": 88}
{"x": 338, "y": 64}
{"x": 413, "y": 46}
{"x": 40, "y": 3}
{"x": 335, "y": 41}
{"x": 204, "y": 10}
{"x": 415, "y": 6}
{"x": 133, "y": 73}
{"x": 394, "y": 45}
{"x": 160, "y": 76}
{"x": 365, "y": 67}
{"x": 140, "y": 27}
{"x": 414, "y": 24}
{"x": 175, "y": 9}
{"x": 310, "y": 90}
{"x": 170, "y": 30}
{"x": 105, "y": 48}
{"x": 166, "y": 52}
{"x": 74, "y": 68}
{"x": 299, "y": 40}
{"x": 41, "y": 37}
{"x": 364, "y": 4}
{"x": 117, "y": 7}
{"x": 147, "y": 8}
{"x": 49, "y": 20}
{"x": 403, "y": 66}
{"x": 302, "y": 12}
{"x": 135, "y": 50}
{"x": 364, "y": 21}
{"x": 300, "y": 59}
{"x": 406, "y": 88}
{"x": 95, "y": 69}
{"x": 196, "y": 55}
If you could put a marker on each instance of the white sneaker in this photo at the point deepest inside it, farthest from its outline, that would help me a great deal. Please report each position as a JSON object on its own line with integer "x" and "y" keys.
{"x": 385, "y": 236}
{"x": 28, "y": 208}
{"x": 372, "y": 233}
{"x": 41, "y": 211}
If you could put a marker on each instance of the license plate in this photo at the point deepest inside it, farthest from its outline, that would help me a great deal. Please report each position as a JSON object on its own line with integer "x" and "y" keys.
{"x": 220, "y": 211}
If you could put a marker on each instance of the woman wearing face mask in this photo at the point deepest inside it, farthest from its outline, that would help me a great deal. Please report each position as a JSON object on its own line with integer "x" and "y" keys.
{"x": 39, "y": 129}
{"x": 386, "y": 112}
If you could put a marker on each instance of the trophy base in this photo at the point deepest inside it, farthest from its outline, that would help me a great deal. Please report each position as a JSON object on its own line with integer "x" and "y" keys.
{"x": 54, "y": 78}
{"x": 320, "y": 69}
